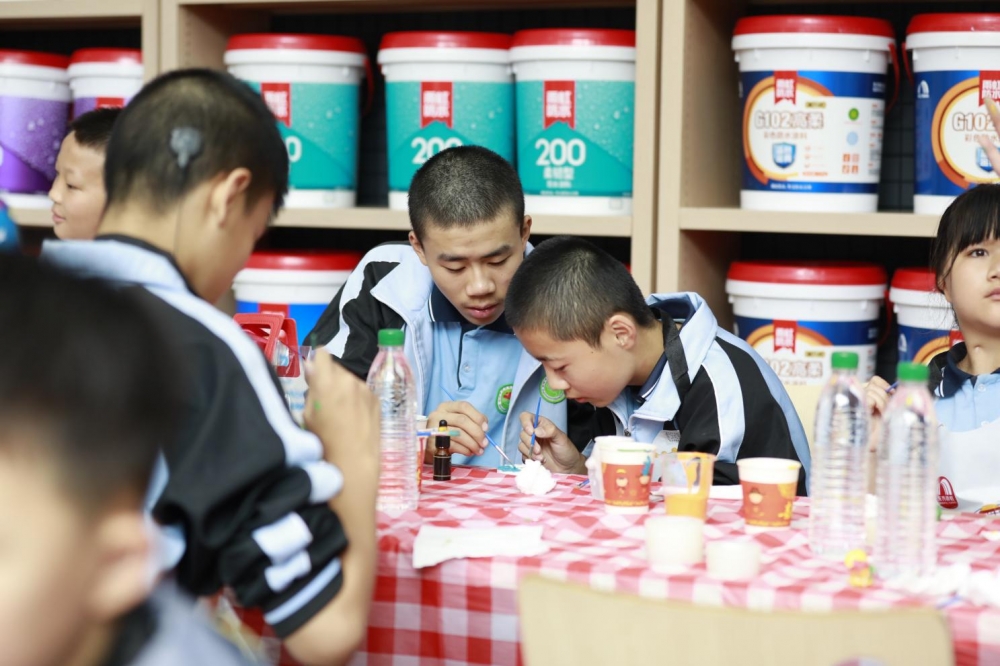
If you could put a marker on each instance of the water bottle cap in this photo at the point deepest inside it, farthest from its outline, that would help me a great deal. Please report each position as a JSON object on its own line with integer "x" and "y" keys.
{"x": 913, "y": 372}
{"x": 390, "y": 337}
{"x": 844, "y": 361}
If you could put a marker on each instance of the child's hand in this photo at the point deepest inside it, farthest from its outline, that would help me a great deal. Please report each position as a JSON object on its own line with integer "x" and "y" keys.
{"x": 343, "y": 413}
{"x": 552, "y": 447}
{"x": 877, "y": 395}
{"x": 460, "y": 416}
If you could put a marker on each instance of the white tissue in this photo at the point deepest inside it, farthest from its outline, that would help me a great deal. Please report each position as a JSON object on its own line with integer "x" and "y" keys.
{"x": 534, "y": 479}
{"x": 981, "y": 588}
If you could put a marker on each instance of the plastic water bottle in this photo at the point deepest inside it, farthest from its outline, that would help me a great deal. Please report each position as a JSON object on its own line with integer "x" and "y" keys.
{"x": 391, "y": 379}
{"x": 907, "y": 479}
{"x": 839, "y": 463}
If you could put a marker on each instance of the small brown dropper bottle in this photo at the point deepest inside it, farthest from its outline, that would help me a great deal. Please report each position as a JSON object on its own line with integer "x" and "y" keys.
{"x": 442, "y": 453}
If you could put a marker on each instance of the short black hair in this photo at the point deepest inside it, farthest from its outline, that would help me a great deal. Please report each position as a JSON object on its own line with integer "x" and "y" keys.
{"x": 463, "y": 186}
{"x": 972, "y": 218}
{"x": 569, "y": 288}
{"x": 235, "y": 127}
{"x": 85, "y": 381}
{"x": 93, "y": 129}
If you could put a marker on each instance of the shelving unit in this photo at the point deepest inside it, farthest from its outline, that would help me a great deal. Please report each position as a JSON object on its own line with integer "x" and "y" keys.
{"x": 90, "y": 15}
{"x": 700, "y": 225}
{"x": 194, "y": 33}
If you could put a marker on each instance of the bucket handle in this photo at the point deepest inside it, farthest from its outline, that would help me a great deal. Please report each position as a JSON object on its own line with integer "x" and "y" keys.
{"x": 894, "y": 54}
{"x": 888, "y": 320}
{"x": 370, "y": 85}
{"x": 906, "y": 64}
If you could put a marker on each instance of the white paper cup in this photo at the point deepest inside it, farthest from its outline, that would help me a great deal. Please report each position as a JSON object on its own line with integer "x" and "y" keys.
{"x": 732, "y": 560}
{"x": 769, "y": 486}
{"x": 626, "y": 469}
{"x": 674, "y": 542}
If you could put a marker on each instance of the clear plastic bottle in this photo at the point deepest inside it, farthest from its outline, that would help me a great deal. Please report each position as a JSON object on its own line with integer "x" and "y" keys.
{"x": 391, "y": 379}
{"x": 905, "y": 538}
{"x": 839, "y": 463}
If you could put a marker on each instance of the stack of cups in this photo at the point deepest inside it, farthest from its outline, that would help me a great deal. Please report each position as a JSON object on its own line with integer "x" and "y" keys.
{"x": 676, "y": 541}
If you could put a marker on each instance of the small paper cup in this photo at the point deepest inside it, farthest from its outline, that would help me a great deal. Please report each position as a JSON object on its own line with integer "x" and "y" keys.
{"x": 769, "y": 486}
{"x": 626, "y": 472}
{"x": 674, "y": 542}
{"x": 732, "y": 560}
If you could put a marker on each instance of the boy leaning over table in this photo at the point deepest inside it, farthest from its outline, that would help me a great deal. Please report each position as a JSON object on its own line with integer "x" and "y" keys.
{"x": 244, "y": 498}
{"x": 659, "y": 370}
{"x": 446, "y": 288}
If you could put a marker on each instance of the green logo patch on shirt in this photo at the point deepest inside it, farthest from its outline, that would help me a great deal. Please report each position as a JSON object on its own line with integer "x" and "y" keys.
{"x": 503, "y": 398}
{"x": 549, "y": 394}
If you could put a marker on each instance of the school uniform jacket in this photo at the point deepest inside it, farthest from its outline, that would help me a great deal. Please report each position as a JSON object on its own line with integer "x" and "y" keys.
{"x": 391, "y": 288}
{"x": 240, "y": 498}
{"x": 716, "y": 391}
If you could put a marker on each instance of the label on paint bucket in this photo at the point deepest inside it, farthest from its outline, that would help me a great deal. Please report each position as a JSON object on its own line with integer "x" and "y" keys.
{"x": 810, "y": 131}
{"x": 575, "y": 137}
{"x": 31, "y": 133}
{"x": 950, "y": 118}
{"x": 82, "y": 105}
{"x": 921, "y": 345}
{"x": 426, "y": 117}
{"x": 319, "y": 124}
{"x": 799, "y": 351}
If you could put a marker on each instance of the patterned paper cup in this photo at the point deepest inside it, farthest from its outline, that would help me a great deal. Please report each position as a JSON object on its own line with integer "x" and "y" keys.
{"x": 768, "y": 492}
{"x": 626, "y": 472}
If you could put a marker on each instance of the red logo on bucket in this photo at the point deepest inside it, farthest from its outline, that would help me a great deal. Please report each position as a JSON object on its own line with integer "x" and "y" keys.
{"x": 435, "y": 102}
{"x": 278, "y": 97}
{"x": 560, "y": 103}
{"x": 946, "y": 494}
{"x": 277, "y": 308}
{"x": 110, "y": 102}
{"x": 785, "y": 333}
{"x": 954, "y": 337}
{"x": 785, "y": 84}
{"x": 989, "y": 86}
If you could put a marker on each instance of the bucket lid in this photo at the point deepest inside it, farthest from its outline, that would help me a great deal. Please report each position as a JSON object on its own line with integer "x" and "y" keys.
{"x": 836, "y": 25}
{"x": 830, "y": 273}
{"x": 292, "y": 260}
{"x": 124, "y": 56}
{"x": 953, "y": 23}
{"x": 914, "y": 279}
{"x": 574, "y": 37}
{"x": 33, "y": 58}
{"x": 445, "y": 40}
{"x": 290, "y": 41}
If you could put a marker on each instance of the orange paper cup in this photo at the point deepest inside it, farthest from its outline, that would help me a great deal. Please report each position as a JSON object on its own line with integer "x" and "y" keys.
{"x": 626, "y": 470}
{"x": 687, "y": 480}
{"x": 769, "y": 486}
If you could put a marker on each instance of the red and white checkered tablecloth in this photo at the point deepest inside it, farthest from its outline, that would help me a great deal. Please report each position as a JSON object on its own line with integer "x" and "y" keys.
{"x": 465, "y": 611}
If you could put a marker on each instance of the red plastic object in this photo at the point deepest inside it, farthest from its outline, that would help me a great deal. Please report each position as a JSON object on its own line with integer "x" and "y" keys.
{"x": 269, "y": 328}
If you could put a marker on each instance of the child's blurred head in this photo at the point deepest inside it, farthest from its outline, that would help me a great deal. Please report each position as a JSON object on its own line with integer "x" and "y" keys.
{"x": 965, "y": 257}
{"x": 85, "y": 404}
{"x": 198, "y": 154}
{"x": 77, "y": 193}
{"x": 577, "y": 309}
{"x": 469, "y": 228}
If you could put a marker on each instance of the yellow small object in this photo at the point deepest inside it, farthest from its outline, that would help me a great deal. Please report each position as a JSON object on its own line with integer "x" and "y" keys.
{"x": 859, "y": 571}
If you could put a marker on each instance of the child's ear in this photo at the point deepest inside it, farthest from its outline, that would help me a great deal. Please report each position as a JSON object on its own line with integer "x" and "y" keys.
{"x": 525, "y": 230}
{"x": 122, "y": 581}
{"x": 227, "y": 196}
{"x": 417, "y": 247}
{"x": 623, "y": 330}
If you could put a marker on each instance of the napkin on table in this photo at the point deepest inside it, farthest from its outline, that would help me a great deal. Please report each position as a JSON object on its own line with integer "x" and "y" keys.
{"x": 434, "y": 545}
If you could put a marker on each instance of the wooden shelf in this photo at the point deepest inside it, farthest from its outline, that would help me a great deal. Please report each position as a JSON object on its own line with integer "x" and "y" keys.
{"x": 383, "y": 219}
{"x": 855, "y": 224}
{"x": 66, "y": 11}
{"x": 286, "y": 6}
